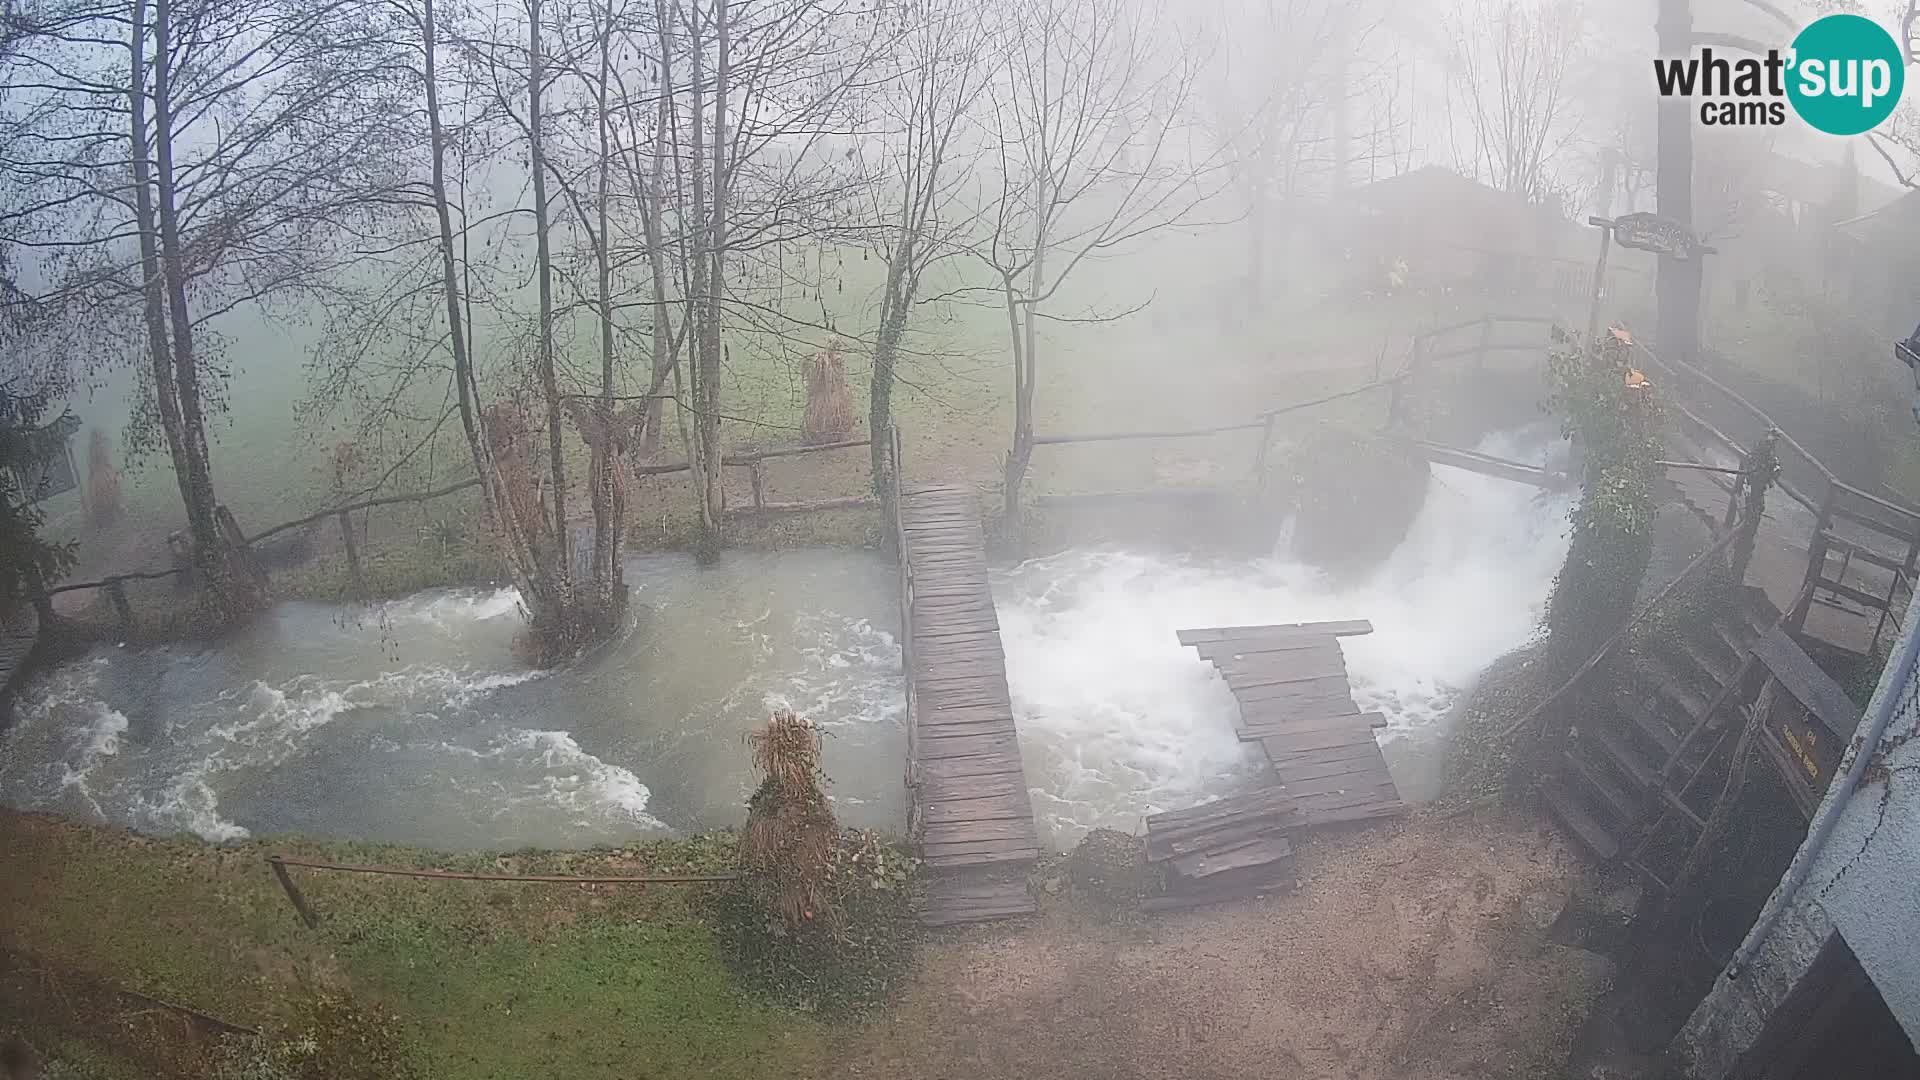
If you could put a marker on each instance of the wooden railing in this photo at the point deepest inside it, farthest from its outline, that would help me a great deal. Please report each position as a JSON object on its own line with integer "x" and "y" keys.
{"x": 1726, "y": 424}
{"x": 115, "y": 585}
{"x": 1886, "y": 534}
{"x": 754, "y": 462}
{"x": 896, "y": 468}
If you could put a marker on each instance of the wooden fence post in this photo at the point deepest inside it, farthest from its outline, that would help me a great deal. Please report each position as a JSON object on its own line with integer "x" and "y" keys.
{"x": 1260, "y": 458}
{"x": 293, "y": 892}
{"x": 353, "y": 554}
{"x": 759, "y": 484}
{"x": 1816, "y": 560}
{"x": 117, "y": 592}
{"x": 238, "y": 540}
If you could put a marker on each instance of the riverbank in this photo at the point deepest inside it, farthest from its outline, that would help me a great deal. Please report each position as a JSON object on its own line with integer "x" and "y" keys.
{"x": 1412, "y": 950}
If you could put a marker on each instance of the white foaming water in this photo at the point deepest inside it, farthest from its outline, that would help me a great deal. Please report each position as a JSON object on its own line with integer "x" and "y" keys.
{"x": 452, "y": 609}
{"x": 1118, "y": 720}
{"x": 847, "y": 676}
{"x": 580, "y": 782}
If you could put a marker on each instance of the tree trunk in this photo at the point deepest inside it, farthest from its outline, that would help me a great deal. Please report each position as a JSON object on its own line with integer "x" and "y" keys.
{"x": 609, "y": 504}
{"x": 160, "y": 354}
{"x": 236, "y": 589}
{"x": 886, "y": 353}
{"x": 562, "y": 569}
{"x": 1026, "y": 343}
{"x": 716, "y": 279}
{"x": 653, "y": 202}
{"x": 702, "y": 452}
{"x": 519, "y": 560}
{"x": 1677, "y": 281}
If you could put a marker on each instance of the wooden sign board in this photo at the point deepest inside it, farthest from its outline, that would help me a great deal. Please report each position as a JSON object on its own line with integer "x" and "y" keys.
{"x": 1651, "y": 232}
{"x": 56, "y": 475}
{"x": 1806, "y": 719}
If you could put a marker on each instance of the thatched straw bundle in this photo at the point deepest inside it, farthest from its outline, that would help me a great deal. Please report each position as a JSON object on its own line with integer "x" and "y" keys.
{"x": 790, "y": 835}
{"x": 829, "y": 416}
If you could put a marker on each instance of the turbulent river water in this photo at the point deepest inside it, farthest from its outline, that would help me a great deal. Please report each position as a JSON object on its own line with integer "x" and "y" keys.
{"x": 412, "y": 722}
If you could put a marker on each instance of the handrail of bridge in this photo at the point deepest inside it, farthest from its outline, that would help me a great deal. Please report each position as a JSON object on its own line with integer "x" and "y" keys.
{"x": 1893, "y": 519}
{"x": 1620, "y": 635}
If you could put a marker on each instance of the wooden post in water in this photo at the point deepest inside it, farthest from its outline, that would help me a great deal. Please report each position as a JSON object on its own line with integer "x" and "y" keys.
{"x": 300, "y": 904}
{"x": 1486, "y": 342}
{"x": 353, "y": 554}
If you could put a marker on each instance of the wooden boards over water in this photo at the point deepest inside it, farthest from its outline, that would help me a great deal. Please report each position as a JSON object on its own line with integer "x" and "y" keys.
{"x": 1296, "y": 702}
{"x": 970, "y": 810}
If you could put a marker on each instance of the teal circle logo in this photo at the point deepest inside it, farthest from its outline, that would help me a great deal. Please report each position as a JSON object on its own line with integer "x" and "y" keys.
{"x": 1846, "y": 74}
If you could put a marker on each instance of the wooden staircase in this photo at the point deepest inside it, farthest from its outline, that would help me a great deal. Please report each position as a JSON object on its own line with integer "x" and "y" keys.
{"x": 1637, "y": 763}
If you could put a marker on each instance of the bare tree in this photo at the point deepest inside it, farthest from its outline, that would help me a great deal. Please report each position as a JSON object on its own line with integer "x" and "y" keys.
{"x": 1511, "y": 64}
{"x": 771, "y": 93}
{"x": 1089, "y": 117}
{"x": 945, "y": 64}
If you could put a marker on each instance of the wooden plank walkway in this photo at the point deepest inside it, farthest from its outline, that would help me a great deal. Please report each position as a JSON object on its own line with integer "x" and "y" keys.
{"x": 1296, "y": 702}
{"x": 969, "y": 807}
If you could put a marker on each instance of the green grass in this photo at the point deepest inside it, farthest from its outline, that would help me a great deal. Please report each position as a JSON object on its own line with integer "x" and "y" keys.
{"x": 504, "y": 981}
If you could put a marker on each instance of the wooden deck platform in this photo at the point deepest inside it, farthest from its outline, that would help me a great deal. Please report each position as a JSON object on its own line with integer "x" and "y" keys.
{"x": 969, "y": 807}
{"x": 1295, "y": 701}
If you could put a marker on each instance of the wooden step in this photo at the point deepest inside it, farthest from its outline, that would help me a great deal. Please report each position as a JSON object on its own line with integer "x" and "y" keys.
{"x": 1687, "y": 695}
{"x": 1570, "y": 812}
{"x": 954, "y": 899}
{"x": 1599, "y": 788}
{"x": 1624, "y": 757}
{"x": 1641, "y": 719}
{"x": 1735, "y": 635}
{"x": 1709, "y": 659}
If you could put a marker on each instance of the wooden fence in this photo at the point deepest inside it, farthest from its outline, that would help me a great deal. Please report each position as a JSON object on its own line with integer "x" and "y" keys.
{"x": 115, "y": 585}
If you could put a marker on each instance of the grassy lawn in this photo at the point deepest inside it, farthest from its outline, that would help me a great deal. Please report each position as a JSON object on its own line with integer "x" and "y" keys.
{"x": 488, "y": 980}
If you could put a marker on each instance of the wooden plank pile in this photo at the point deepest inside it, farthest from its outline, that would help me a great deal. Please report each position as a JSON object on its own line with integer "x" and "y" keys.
{"x": 1223, "y": 850}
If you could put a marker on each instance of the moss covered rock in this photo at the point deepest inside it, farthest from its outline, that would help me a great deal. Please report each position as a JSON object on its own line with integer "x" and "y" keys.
{"x": 1351, "y": 497}
{"x": 1109, "y": 870}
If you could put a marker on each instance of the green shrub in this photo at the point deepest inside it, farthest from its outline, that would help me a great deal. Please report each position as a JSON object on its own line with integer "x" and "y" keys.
{"x": 331, "y": 1037}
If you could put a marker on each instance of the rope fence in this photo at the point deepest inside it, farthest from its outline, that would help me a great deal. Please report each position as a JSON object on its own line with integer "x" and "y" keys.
{"x": 305, "y": 910}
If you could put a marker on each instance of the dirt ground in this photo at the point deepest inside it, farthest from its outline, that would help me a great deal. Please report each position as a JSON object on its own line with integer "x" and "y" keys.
{"x": 1412, "y": 951}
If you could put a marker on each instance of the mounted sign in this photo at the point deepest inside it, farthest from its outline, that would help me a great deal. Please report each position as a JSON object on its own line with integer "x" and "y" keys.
{"x": 57, "y": 474}
{"x": 1651, "y": 232}
{"x": 1805, "y": 719}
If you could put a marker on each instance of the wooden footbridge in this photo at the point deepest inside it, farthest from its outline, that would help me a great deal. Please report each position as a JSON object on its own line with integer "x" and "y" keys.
{"x": 968, "y": 806}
